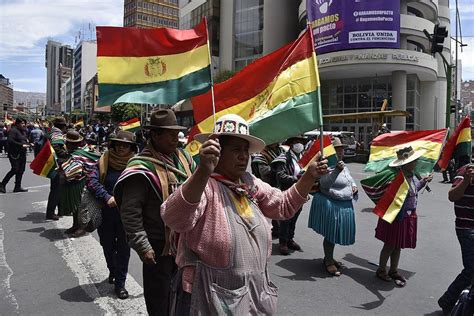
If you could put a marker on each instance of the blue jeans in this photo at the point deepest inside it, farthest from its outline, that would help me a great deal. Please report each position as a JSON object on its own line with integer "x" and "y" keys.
{"x": 466, "y": 277}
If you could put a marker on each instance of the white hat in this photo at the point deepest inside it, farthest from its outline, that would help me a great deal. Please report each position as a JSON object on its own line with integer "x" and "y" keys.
{"x": 406, "y": 155}
{"x": 234, "y": 125}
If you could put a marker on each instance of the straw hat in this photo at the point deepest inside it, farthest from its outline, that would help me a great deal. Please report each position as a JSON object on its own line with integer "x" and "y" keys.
{"x": 336, "y": 142}
{"x": 406, "y": 155}
{"x": 234, "y": 125}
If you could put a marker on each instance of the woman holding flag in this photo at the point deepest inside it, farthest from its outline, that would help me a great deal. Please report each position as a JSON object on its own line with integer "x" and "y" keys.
{"x": 401, "y": 233}
{"x": 332, "y": 212}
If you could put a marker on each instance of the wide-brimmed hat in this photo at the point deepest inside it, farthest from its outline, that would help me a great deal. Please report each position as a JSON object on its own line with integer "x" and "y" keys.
{"x": 165, "y": 119}
{"x": 406, "y": 155}
{"x": 234, "y": 125}
{"x": 298, "y": 138}
{"x": 336, "y": 142}
{"x": 59, "y": 120}
{"x": 73, "y": 136}
{"x": 124, "y": 137}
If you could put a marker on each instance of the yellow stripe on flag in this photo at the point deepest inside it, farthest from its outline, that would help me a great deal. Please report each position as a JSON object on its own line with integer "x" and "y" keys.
{"x": 193, "y": 147}
{"x": 397, "y": 202}
{"x": 328, "y": 151}
{"x": 48, "y": 165}
{"x": 464, "y": 136}
{"x": 382, "y": 152}
{"x": 151, "y": 69}
{"x": 130, "y": 126}
{"x": 294, "y": 81}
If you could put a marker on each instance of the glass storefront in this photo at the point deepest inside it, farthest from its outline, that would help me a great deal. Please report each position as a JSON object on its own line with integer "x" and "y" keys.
{"x": 366, "y": 95}
{"x": 248, "y": 25}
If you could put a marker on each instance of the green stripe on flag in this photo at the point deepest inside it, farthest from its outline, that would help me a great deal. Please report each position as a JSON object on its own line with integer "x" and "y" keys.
{"x": 424, "y": 166}
{"x": 463, "y": 149}
{"x": 164, "y": 92}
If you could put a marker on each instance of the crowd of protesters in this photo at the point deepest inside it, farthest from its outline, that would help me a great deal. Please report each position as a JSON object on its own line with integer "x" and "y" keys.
{"x": 201, "y": 229}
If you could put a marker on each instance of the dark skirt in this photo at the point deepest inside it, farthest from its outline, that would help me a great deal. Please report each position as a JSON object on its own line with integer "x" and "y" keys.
{"x": 334, "y": 219}
{"x": 70, "y": 197}
{"x": 399, "y": 234}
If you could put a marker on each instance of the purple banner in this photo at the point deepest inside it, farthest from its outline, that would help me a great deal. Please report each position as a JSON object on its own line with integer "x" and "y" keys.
{"x": 354, "y": 24}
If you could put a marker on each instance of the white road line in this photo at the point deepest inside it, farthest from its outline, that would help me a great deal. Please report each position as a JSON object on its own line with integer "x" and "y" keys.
{"x": 6, "y": 272}
{"x": 38, "y": 186}
{"x": 84, "y": 257}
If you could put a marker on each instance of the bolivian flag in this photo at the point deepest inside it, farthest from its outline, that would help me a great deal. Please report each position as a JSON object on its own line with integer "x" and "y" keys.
{"x": 130, "y": 125}
{"x": 383, "y": 149}
{"x": 158, "y": 65}
{"x": 310, "y": 155}
{"x": 44, "y": 163}
{"x": 458, "y": 145}
{"x": 278, "y": 94}
{"x": 392, "y": 201}
{"x": 376, "y": 185}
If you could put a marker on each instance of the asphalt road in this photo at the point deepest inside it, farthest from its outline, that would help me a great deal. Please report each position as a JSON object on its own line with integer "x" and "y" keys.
{"x": 44, "y": 273}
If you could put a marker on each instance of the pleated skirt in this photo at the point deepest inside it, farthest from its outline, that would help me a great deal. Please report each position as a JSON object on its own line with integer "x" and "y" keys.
{"x": 333, "y": 219}
{"x": 399, "y": 234}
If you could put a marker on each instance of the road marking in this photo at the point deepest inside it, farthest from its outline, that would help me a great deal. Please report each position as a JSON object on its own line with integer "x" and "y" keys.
{"x": 38, "y": 186}
{"x": 6, "y": 272}
{"x": 84, "y": 257}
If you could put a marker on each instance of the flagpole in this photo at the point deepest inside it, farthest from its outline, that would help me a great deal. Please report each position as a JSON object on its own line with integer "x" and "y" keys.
{"x": 210, "y": 73}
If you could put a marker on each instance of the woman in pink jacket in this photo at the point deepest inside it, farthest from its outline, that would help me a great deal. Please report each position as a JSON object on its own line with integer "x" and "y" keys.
{"x": 224, "y": 238}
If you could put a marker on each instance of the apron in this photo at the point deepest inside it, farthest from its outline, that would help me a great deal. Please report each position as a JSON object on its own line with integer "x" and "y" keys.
{"x": 242, "y": 288}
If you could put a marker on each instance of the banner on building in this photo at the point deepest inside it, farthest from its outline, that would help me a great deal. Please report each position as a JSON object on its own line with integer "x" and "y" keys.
{"x": 354, "y": 24}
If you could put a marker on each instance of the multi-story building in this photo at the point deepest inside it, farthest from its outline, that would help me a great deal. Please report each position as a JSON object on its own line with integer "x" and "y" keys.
{"x": 151, "y": 13}
{"x": 6, "y": 94}
{"x": 67, "y": 95}
{"x": 58, "y": 63}
{"x": 85, "y": 67}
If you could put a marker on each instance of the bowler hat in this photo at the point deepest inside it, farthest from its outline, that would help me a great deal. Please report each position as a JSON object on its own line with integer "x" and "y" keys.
{"x": 73, "y": 136}
{"x": 165, "y": 119}
{"x": 59, "y": 120}
{"x": 124, "y": 137}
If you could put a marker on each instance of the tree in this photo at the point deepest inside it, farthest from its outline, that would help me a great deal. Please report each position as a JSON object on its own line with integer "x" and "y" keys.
{"x": 124, "y": 111}
{"x": 223, "y": 75}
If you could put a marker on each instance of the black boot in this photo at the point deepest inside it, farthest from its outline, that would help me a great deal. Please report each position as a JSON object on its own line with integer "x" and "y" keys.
{"x": 19, "y": 189}
{"x": 2, "y": 188}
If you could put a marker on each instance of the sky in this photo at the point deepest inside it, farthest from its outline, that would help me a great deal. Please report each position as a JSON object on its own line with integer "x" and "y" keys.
{"x": 26, "y": 26}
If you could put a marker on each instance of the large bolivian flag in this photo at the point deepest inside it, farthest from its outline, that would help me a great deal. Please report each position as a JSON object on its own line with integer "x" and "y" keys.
{"x": 277, "y": 94}
{"x": 383, "y": 149}
{"x": 459, "y": 144}
{"x": 159, "y": 65}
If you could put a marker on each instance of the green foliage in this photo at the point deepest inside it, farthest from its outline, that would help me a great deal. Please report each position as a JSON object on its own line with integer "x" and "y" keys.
{"x": 223, "y": 75}
{"x": 124, "y": 111}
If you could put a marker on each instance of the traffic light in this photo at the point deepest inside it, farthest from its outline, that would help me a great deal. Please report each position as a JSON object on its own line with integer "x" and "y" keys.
{"x": 452, "y": 108}
{"x": 437, "y": 40}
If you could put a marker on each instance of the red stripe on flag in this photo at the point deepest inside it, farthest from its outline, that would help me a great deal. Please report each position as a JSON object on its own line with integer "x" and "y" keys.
{"x": 398, "y": 138}
{"x": 134, "y": 42}
{"x": 389, "y": 196}
{"x": 448, "y": 150}
{"x": 41, "y": 159}
{"x": 253, "y": 79}
{"x": 131, "y": 121}
{"x": 315, "y": 148}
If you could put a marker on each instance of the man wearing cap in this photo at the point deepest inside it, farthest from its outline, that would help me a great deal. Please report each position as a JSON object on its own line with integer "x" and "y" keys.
{"x": 17, "y": 145}
{"x": 56, "y": 140}
{"x": 147, "y": 181}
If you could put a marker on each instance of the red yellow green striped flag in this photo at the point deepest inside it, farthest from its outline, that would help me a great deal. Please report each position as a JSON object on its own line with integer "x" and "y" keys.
{"x": 310, "y": 155}
{"x": 383, "y": 149}
{"x": 278, "y": 94}
{"x": 131, "y": 125}
{"x": 376, "y": 185}
{"x": 459, "y": 144}
{"x": 392, "y": 200}
{"x": 158, "y": 66}
{"x": 44, "y": 163}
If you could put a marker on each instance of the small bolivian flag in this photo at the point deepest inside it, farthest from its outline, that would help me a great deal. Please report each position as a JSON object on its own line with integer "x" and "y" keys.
{"x": 131, "y": 125}
{"x": 44, "y": 164}
{"x": 392, "y": 201}
{"x": 458, "y": 145}
{"x": 310, "y": 155}
{"x": 152, "y": 66}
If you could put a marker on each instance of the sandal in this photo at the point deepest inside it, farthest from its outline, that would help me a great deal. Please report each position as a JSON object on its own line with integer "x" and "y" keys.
{"x": 398, "y": 278}
{"x": 382, "y": 275}
{"x": 331, "y": 268}
{"x": 339, "y": 265}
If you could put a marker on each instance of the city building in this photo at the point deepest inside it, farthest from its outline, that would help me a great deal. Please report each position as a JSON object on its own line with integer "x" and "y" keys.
{"x": 6, "y": 94}
{"x": 85, "y": 67}
{"x": 151, "y": 13}
{"x": 467, "y": 98}
{"x": 58, "y": 63}
{"x": 67, "y": 95}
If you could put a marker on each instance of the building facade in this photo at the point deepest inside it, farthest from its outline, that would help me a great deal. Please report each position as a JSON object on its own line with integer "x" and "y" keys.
{"x": 6, "y": 94}
{"x": 58, "y": 63}
{"x": 85, "y": 67}
{"x": 67, "y": 95}
{"x": 151, "y": 13}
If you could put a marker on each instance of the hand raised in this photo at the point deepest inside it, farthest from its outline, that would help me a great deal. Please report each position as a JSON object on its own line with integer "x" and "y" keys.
{"x": 209, "y": 154}
{"x": 318, "y": 167}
